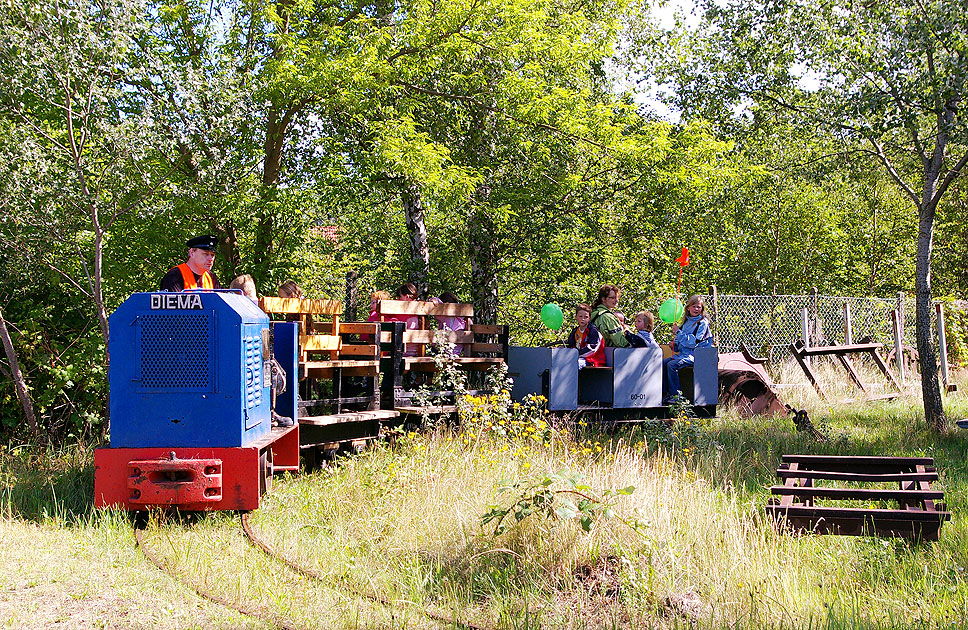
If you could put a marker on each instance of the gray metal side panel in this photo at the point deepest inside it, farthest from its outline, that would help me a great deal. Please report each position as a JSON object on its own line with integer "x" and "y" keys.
{"x": 706, "y": 377}
{"x": 638, "y": 377}
{"x": 526, "y": 365}
{"x": 595, "y": 386}
{"x": 563, "y": 379}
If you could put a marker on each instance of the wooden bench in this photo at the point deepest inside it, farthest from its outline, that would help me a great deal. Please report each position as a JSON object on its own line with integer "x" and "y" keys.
{"x": 326, "y": 343}
{"x": 919, "y": 510}
{"x": 412, "y": 350}
{"x": 330, "y": 349}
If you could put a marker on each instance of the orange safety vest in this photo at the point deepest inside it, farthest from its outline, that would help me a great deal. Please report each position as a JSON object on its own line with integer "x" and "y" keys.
{"x": 188, "y": 278}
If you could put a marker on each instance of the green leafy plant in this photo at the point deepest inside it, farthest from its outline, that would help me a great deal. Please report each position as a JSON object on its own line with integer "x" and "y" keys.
{"x": 449, "y": 382}
{"x": 684, "y": 431}
{"x": 559, "y": 496}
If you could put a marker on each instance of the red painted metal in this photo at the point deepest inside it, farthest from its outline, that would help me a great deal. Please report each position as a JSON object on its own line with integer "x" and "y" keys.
{"x": 162, "y": 480}
{"x": 285, "y": 451}
{"x": 174, "y": 481}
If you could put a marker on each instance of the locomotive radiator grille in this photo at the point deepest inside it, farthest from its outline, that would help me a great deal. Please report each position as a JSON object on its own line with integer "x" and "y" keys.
{"x": 253, "y": 368}
{"x": 175, "y": 351}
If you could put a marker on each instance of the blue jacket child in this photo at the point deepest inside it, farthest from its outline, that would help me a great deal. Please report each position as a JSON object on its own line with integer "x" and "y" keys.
{"x": 693, "y": 332}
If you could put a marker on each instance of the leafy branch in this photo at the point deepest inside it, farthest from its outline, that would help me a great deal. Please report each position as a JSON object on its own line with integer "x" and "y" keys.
{"x": 545, "y": 497}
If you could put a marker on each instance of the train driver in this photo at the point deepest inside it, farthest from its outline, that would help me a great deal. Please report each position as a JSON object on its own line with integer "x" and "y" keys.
{"x": 196, "y": 272}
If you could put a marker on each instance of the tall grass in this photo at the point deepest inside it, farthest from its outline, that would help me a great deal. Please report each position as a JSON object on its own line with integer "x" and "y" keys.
{"x": 47, "y": 485}
{"x": 404, "y": 520}
{"x": 690, "y": 547}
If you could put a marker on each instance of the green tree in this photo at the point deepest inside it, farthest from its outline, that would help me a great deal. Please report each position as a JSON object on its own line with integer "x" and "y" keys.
{"x": 888, "y": 77}
{"x": 76, "y": 160}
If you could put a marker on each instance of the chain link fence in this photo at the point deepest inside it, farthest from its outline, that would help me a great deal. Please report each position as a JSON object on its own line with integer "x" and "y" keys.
{"x": 768, "y": 324}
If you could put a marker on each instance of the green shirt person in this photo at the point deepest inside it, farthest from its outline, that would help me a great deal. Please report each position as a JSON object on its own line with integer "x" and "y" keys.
{"x": 605, "y": 319}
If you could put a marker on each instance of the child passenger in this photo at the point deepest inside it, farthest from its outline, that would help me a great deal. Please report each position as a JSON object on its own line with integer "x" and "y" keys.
{"x": 644, "y": 325}
{"x": 290, "y": 289}
{"x": 455, "y": 323}
{"x": 691, "y": 332}
{"x": 585, "y": 337}
{"x": 246, "y": 284}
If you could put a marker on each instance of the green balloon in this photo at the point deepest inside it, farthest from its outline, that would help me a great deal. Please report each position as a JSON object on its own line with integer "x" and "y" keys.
{"x": 671, "y": 310}
{"x": 551, "y": 316}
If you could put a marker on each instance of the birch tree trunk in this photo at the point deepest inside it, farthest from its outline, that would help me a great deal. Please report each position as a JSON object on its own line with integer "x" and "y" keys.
{"x": 413, "y": 210}
{"x": 930, "y": 386}
{"x": 484, "y": 265}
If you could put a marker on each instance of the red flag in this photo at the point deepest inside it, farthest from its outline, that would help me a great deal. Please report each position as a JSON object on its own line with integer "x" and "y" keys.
{"x": 683, "y": 259}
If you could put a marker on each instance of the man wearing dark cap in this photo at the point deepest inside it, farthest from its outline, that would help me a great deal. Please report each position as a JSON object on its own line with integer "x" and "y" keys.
{"x": 196, "y": 272}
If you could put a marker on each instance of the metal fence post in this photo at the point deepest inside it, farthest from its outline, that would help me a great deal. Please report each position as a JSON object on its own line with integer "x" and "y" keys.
{"x": 806, "y": 330}
{"x": 898, "y": 345}
{"x": 715, "y": 309}
{"x": 900, "y": 315}
{"x": 814, "y": 293}
{"x": 848, "y": 325}
{"x": 942, "y": 345}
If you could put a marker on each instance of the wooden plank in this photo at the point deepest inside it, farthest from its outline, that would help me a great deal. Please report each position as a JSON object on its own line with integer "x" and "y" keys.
{"x": 297, "y": 306}
{"x": 875, "y": 494}
{"x": 925, "y": 486}
{"x": 487, "y": 329}
{"x": 827, "y": 460}
{"x": 466, "y": 362}
{"x": 813, "y": 512}
{"x": 487, "y": 347}
{"x": 432, "y": 336}
{"x": 359, "y": 328}
{"x": 845, "y": 476}
{"x": 322, "y": 328}
{"x": 358, "y": 349}
{"x": 791, "y": 483}
{"x": 426, "y": 309}
{"x": 274, "y": 434}
{"x": 339, "y": 364}
{"x": 859, "y": 463}
{"x": 862, "y": 525}
{"x": 348, "y": 416}
{"x": 319, "y": 343}
{"x": 323, "y": 372}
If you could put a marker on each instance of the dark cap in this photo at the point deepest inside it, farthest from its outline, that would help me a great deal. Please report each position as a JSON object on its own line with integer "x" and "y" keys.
{"x": 206, "y": 241}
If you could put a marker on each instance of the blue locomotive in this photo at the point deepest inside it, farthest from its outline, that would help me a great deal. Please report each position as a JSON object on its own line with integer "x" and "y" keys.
{"x": 191, "y": 421}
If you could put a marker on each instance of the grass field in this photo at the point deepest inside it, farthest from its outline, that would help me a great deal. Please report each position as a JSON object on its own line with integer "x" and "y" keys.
{"x": 402, "y": 522}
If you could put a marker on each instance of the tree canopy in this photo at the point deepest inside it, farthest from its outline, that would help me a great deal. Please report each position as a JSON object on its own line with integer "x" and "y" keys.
{"x": 478, "y": 146}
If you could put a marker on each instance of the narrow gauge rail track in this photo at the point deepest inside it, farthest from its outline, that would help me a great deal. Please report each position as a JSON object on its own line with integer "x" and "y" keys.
{"x": 257, "y": 612}
{"x": 313, "y": 575}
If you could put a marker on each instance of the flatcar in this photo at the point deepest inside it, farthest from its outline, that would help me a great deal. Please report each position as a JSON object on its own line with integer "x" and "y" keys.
{"x": 191, "y": 419}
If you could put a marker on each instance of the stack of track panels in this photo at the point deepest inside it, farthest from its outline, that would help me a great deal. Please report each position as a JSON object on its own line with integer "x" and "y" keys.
{"x": 911, "y": 509}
